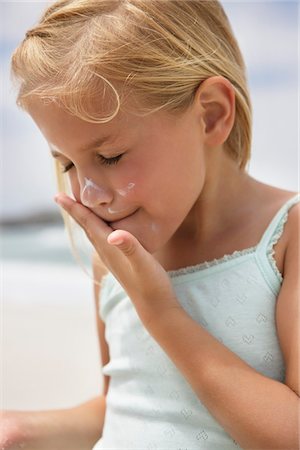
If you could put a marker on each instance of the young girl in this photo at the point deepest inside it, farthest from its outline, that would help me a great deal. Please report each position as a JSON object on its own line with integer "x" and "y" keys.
{"x": 145, "y": 105}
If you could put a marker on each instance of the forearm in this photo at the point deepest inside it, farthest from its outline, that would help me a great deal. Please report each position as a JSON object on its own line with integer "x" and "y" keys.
{"x": 76, "y": 428}
{"x": 258, "y": 412}
{"x": 89, "y": 418}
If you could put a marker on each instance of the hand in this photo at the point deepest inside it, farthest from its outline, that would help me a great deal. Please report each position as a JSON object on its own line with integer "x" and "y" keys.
{"x": 142, "y": 277}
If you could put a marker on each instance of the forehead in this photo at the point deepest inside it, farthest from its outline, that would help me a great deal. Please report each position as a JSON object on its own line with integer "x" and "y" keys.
{"x": 51, "y": 113}
{"x": 68, "y": 133}
{"x": 62, "y": 129}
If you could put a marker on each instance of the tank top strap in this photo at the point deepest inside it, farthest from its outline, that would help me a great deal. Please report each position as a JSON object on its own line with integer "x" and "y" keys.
{"x": 275, "y": 228}
{"x": 265, "y": 249}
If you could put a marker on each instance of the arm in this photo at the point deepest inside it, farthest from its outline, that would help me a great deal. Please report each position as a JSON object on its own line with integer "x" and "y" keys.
{"x": 99, "y": 270}
{"x": 258, "y": 412}
{"x": 77, "y": 428}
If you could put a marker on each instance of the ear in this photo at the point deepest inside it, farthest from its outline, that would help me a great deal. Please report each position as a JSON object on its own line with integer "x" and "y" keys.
{"x": 215, "y": 100}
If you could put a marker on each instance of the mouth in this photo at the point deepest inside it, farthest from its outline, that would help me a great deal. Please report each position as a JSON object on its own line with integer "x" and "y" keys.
{"x": 116, "y": 222}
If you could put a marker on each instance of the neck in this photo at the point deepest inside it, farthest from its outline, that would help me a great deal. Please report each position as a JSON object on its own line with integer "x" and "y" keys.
{"x": 221, "y": 205}
{"x": 222, "y": 199}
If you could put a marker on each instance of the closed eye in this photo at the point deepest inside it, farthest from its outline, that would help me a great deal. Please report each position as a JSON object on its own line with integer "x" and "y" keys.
{"x": 104, "y": 161}
{"x": 109, "y": 161}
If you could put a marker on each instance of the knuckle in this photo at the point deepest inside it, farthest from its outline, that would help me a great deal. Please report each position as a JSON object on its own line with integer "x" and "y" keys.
{"x": 128, "y": 250}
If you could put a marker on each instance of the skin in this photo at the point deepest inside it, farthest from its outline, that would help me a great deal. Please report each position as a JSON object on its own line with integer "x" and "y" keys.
{"x": 190, "y": 200}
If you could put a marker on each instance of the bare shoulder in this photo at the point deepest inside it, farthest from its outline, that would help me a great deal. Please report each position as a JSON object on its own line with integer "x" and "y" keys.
{"x": 291, "y": 228}
{"x": 276, "y": 196}
{"x": 267, "y": 201}
{"x": 292, "y": 257}
{"x": 287, "y": 308}
{"x": 292, "y": 225}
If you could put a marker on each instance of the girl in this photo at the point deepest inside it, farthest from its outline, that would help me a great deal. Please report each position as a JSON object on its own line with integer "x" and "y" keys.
{"x": 145, "y": 105}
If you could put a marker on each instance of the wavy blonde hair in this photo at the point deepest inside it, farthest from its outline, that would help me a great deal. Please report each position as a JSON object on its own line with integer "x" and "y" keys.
{"x": 158, "y": 51}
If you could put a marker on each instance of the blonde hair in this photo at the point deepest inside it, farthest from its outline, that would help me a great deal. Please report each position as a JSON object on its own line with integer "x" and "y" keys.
{"x": 160, "y": 50}
{"x": 157, "y": 51}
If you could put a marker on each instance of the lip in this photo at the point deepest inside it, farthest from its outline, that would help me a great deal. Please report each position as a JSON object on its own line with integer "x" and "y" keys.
{"x": 117, "y": 221}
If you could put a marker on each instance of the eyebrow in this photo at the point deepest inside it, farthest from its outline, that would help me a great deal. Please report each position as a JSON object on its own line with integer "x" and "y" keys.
{"x": 96, "y": 143}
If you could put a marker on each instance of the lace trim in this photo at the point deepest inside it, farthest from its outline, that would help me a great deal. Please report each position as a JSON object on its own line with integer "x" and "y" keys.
{"x": 208, "y": 264}
{"x": 270, "y": 249}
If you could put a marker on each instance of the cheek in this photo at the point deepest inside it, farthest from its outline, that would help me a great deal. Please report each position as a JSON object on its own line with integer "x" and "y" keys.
{"x": 128, "y": 189}
{"x": 128, "y": 184}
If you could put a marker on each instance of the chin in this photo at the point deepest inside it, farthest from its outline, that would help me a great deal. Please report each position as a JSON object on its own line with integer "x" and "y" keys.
{"x": 150, "y": 247}
{"x": 149, "y": 240}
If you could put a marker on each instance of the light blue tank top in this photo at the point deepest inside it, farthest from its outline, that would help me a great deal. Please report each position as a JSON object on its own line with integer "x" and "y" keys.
{"x": 150, "y": 405}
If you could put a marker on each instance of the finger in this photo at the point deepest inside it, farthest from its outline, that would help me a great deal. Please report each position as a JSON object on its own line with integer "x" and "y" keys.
{"x": 146, "y": 269}
{"x": 90, "y": 222}
{"x": 130, "y": 247}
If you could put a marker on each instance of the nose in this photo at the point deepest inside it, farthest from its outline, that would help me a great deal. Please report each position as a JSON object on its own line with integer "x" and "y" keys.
{"x": 92, "y": 195}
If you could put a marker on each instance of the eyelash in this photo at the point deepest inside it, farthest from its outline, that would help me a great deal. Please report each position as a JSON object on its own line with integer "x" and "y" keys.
{"x": 104, "y": 161}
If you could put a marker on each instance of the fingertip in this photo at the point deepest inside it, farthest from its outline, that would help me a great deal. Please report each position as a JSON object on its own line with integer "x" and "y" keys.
{"x": 115, "y": 238}
{"x": 57, "y": 199}
{"x": 59, "y": 196}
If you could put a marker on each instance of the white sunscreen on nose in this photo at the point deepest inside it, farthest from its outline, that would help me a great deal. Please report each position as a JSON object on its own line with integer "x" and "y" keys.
{"x": 91, "y": 192}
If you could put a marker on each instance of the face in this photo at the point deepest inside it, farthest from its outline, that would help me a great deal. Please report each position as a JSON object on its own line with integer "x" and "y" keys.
{"x": 140, "y": 174}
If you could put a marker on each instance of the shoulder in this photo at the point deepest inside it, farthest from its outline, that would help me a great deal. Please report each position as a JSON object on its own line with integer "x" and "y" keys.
{"x": 269, "y": 201}
{"x": 287, "y": 309}
{"x": 291, "y": 259}
{"x": 279, "y": 197}
{"x": 292, "y": 225}
{"x": 276, "y": 199}
{"x": 291, "y": 236}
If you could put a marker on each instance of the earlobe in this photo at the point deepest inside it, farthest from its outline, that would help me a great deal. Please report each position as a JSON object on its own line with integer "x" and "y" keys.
{"x": 216, "y": 99}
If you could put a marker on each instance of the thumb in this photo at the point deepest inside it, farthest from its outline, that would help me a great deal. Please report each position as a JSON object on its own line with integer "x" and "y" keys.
{"x": 128, "y": 245}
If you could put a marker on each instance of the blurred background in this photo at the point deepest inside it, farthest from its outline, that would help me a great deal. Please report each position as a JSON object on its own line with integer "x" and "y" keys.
{"x": 50, "y": 355}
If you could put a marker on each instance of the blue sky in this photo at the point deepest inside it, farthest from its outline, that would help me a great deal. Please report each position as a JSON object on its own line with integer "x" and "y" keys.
{"x": 268, "y": 36}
